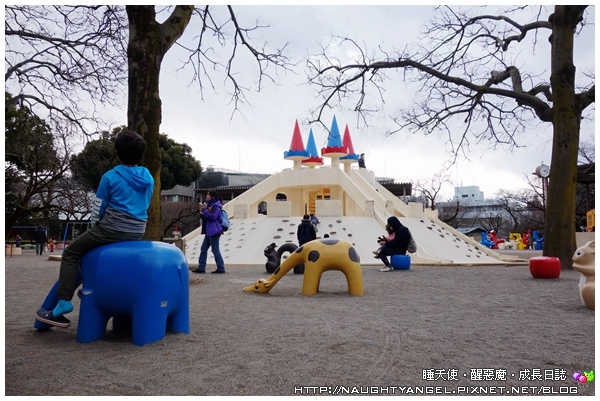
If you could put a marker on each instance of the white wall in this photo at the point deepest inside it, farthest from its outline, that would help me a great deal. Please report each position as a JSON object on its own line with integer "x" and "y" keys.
{"x": 329, "y": 208}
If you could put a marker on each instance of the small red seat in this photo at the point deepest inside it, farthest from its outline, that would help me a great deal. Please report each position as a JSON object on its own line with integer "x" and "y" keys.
{"x": 544, "y": 267}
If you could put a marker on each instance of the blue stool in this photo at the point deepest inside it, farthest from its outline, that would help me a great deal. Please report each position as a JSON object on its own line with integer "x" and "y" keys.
{"x": 142, "y": 285}
{"x": 400, "y": 262}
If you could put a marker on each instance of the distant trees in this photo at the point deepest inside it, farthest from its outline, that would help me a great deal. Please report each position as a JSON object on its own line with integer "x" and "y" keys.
{"x": 36, "y": 161}
{"x": 181, "y": 214}
{"x": 96, "y": 158}
{"x": 586, "y": 191}
{"x": 178, "y": 166}
{"x": 524, "y": 207}
{"x": 67, "y": 63}
{"x": 431, "y": 188}
{"x": 515, "y": 210}
{"x": 63, "y": 65}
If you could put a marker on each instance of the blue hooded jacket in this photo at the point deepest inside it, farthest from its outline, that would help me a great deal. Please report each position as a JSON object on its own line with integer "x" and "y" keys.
{"x": 123, "y": 198}
{"x": 211, "y": 218}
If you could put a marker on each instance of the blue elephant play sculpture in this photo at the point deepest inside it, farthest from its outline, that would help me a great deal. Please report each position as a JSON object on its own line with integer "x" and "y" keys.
{"x": 142, "y": 285}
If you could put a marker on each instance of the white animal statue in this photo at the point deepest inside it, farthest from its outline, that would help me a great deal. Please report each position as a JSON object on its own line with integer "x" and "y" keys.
{"x": 584, "y": 262}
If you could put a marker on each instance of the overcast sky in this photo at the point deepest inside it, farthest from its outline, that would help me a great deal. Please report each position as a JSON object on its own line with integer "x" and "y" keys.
{"x": 254, "y": 138}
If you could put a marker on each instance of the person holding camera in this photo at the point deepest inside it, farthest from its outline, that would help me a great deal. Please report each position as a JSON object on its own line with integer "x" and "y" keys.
{"x": 396, "y": 246}
{"x": 383, "y": 239}
{"x": 210, "y": 214}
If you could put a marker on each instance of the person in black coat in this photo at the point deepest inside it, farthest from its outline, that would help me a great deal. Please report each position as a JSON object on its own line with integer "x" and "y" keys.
{"x": 40, "y": 238}
{"x": 361, "y": 161}
{"x": 306, "y": 231}
{"x": 397, "y": 246}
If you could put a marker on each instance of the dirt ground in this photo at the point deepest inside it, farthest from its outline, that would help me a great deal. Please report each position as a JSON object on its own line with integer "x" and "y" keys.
{"x": 467, "y": 330}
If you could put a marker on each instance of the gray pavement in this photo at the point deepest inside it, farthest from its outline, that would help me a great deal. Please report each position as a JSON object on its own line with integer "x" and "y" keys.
{"x": 462, "y": 319}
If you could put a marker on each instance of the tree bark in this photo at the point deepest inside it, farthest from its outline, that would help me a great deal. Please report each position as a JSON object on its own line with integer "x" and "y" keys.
{"x": 559, "y": 230}
{"x": 148, "y": 43}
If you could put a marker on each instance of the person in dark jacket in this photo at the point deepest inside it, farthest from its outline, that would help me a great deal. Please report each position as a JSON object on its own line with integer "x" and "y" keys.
{"x": 210, "y": 213}
{"x": 397, "y": 246}
{"x": 361, "y": 161}
{"x": 40, "y": 238}
{"x": 306, "y": 231}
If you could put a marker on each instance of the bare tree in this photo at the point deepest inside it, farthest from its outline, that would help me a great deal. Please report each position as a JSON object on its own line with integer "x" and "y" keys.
{"x": 587, "y": 152}
{"x": 66, "y": 63}
{"x": 468, "y": 73}
{"x": 495, "y": 222}
{"x": 451, "y": 213}
{"x": 430, "y": 188}
{"x": 71, "y": 200}
{"x": 586, "y": 187}
{"x": 524, "y": 207}
{"x": 184, "y": 215}
{"x": 149, "y": 41}
{"x": 64, "y": 58}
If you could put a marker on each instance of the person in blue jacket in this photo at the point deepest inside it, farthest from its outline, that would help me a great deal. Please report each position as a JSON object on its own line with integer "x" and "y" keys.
{"x": 119, "y": 213}
{"x": 397, "y": 246}
{"x": 210, "y": 214}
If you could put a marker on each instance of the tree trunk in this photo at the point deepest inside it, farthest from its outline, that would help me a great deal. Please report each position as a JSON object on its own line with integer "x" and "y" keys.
{"x": 559, "y": 230}
{"x": 148, "y": 43}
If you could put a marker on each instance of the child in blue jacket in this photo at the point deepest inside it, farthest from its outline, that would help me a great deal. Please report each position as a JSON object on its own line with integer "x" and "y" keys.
{"x": 119, "y": 213}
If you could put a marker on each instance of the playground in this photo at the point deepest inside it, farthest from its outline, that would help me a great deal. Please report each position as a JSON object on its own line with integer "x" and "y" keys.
{"x": 472, "y": 319}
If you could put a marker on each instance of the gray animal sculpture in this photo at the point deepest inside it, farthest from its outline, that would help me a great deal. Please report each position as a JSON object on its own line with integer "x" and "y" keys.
{"x": 274, "y": 257}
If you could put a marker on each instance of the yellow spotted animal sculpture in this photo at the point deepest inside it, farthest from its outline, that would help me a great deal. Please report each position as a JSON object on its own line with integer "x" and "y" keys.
{"x": 584, "y": 262}
{"x": 318, "y": 256}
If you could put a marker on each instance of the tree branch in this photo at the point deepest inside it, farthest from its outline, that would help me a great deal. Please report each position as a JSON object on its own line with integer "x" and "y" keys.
{"x": 174, "y": 26}
{"x": 584, "y": 99}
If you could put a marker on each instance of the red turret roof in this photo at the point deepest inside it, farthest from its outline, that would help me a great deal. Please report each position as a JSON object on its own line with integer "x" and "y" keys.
{"x": 297, "y": 151}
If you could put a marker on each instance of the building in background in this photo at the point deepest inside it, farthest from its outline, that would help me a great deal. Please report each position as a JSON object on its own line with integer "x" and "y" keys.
{"x": 468, "y": 193}
{"x": 227, "y": 183}
{"x": 470, "y": 213}
{"x": 179, "y": 193}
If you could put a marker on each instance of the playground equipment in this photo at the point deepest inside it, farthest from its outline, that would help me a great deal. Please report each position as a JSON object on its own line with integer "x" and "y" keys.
{"x": 400, "y": 262}
{"x": 490, "y": 240}
{"x": 351, "y": 204}
{"x": 274, "y": 257}
{"x": 10, "y": 249}
{"x": 538, "y": 241}
{"x": 486, "y": 240}
{"x": 74, "y": 231}
{"x": 544, "y": 267}
{"x": 516, "y": 237}
{"x": 590, "y": 218}
{"x": 26, "y": 233}
{"x": 142, "y": 285}
{"x": 584, "y": 260}
{"x": 318, "y": 256}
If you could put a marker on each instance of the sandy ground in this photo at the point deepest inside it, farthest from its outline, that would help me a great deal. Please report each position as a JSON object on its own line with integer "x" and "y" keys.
{"x": 492, "y": 329}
